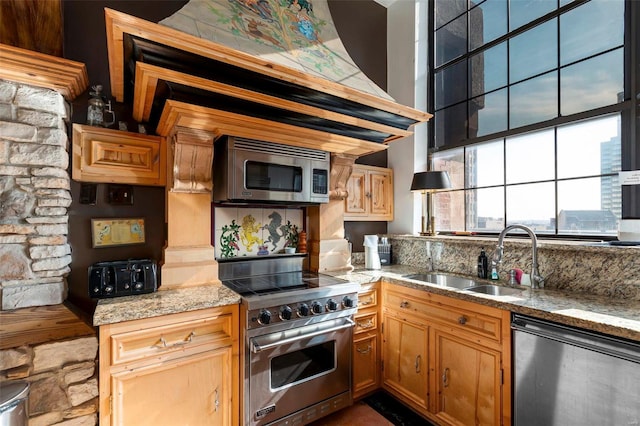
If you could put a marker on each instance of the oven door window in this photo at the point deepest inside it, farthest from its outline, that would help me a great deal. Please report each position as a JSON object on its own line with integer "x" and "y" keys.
{"x": 272, "y": 177}
{"x": 302, "y": 365}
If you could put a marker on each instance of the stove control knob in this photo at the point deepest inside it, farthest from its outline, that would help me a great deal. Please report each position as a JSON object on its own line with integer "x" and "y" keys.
{"x": 303, "y": 310}
{"x": 347, "y": 302}
{"x": 285, "y": 313}
{"x": 331, "y": 305}
{"x": 264, "y": 317}
{"x": 317, "y": 308}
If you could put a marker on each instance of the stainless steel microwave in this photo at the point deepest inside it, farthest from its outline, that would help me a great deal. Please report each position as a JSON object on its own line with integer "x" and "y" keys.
{"x": 248, "y": 170}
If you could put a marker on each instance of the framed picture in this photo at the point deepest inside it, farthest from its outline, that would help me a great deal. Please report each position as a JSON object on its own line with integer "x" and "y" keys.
{"x": 117, "y": 232}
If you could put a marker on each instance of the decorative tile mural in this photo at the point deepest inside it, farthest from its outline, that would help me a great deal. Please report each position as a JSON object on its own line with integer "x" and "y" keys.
{"x": 255, "y": 231}
{"x": 298, "y": 34}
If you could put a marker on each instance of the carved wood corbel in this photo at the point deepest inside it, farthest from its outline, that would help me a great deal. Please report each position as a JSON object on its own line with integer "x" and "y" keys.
{"x": 192, "y": 160}
{"x": 341, "y": 168}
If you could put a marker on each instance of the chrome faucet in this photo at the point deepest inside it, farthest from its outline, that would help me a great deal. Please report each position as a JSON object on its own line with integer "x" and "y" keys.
{"x": 537, "y": 280}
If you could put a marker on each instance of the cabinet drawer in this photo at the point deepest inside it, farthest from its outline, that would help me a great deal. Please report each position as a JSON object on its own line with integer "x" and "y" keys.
{"x": 366, "y": 322}
{"x": 482, "y": 325}
{"x": 403, "y": 303}
{"x": 163, "y": 341}
{"x": 459, "y": 318}
{"x": 367, "y": 298}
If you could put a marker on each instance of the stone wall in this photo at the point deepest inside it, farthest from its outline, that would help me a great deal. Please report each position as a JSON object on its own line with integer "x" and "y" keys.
{"x": 35, "y": 254}
{"x": 63, "y": 380}
{"x": 34, "y": 196}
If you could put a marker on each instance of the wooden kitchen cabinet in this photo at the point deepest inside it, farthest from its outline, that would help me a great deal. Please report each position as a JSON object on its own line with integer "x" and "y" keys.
{"x": 405, "y": 345}
{"x": 366, "y": 342}
{"x": 467, "y": 356}
{"x": 174, "y": 369}
{"x": 113, "y": 156}
{"x": 370, "y": 194}
{"x": 469, "y": 387}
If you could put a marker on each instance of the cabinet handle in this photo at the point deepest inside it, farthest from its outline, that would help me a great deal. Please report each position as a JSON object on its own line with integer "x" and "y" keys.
{"x": 367, "y": 324}
{"x": 367, "y": 301}
{"x": 189, "y": 339}
{"x": 216, "y": 401}
{"x": 418, "y": 363}
{"x": 404, "y": 304}
{"x": 445, "y": 379}
{"x": 364, "y": 351}
{"x": 462, "y": 320}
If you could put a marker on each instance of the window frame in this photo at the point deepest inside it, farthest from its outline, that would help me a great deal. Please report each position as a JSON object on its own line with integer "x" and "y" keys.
{"x": 628, "y": 109}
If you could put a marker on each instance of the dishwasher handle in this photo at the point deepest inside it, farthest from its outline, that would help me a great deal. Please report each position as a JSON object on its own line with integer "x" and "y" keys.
{"x": 576, "y": 337}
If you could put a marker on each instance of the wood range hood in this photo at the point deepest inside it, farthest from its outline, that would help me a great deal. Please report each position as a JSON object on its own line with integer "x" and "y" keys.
{"x": 192, "y": 91}
{"x": 174, "y": 79}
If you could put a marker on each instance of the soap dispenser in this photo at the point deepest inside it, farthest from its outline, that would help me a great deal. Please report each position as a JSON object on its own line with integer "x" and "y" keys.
{"x": 483, "y": 264}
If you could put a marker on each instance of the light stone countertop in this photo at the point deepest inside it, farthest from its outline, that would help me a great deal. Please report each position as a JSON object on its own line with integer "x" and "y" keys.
{"x": 616, "y": 317}
{"x": 163, "y": 302}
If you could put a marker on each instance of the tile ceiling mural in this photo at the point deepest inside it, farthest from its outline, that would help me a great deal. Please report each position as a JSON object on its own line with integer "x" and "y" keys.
{"x": 255, "y": 231}
{"x": 299, "y": 34}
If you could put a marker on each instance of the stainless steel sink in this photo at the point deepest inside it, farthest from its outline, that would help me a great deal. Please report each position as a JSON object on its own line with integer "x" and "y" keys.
{"x": 443, "y": 280}
{"x": 495, "y": 290}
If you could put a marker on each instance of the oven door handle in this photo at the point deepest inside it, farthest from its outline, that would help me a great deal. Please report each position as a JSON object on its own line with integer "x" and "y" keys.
{"x": 256, "y": 347}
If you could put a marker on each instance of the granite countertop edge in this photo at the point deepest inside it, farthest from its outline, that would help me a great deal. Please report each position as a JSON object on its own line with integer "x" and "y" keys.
{"x": 615, "y": 317}
{"x": 163, "y": 302}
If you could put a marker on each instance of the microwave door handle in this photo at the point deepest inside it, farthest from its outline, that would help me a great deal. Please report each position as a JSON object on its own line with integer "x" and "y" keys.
{"x": 256, "y": 347}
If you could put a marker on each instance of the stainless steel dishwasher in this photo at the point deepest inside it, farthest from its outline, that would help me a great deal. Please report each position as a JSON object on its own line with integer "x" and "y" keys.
{"x": 568, "y": 376}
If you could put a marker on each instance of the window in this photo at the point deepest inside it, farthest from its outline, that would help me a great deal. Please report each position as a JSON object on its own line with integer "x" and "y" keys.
{"x": 530, "y": 114}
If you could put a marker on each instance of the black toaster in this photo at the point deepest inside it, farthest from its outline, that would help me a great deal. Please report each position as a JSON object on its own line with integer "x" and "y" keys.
{"x": 122, "y": 278}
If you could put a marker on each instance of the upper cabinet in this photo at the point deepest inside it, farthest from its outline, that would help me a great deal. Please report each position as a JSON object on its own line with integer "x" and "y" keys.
{"x": 370, "y": 194}
{"x": 113, "y": 156}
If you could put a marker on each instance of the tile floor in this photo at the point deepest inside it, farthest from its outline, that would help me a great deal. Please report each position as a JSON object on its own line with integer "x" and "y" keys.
{"x": 359, "y": 414}
{"x": 388, "y": 411}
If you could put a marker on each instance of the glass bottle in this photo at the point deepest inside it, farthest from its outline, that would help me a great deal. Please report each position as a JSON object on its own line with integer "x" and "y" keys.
{"x": 97, "y": 108}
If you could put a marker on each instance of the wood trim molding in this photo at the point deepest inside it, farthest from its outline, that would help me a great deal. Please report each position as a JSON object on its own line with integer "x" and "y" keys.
{"x": 180, "y": 114}
{"x": 118, "y": 24}
{"x": 341, "y": 169}
{"x": 67, "y": 77}
{"x": 148, "y": 76}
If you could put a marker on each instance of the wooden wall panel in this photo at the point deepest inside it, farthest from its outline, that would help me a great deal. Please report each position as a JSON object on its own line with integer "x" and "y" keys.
{"x": 32, "y": 24}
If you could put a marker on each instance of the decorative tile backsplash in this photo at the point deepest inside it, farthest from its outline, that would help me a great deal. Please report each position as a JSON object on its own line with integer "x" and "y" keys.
{"x": 255, "y": 231}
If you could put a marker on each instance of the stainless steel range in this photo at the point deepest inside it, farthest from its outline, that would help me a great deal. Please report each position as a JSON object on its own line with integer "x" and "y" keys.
{"x": 297, "y": 336}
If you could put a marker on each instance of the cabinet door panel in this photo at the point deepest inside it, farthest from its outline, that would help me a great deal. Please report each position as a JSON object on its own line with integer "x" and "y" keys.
{"x": 365, "y": 365}
{"x": 405, "y": 359}
{"x": 107, "y": 155}
{"x": 381, "y": 190}
{"x": 467, "y": 381}
{"x": 194, "y": 390}
{"x": 358, "y": 193}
